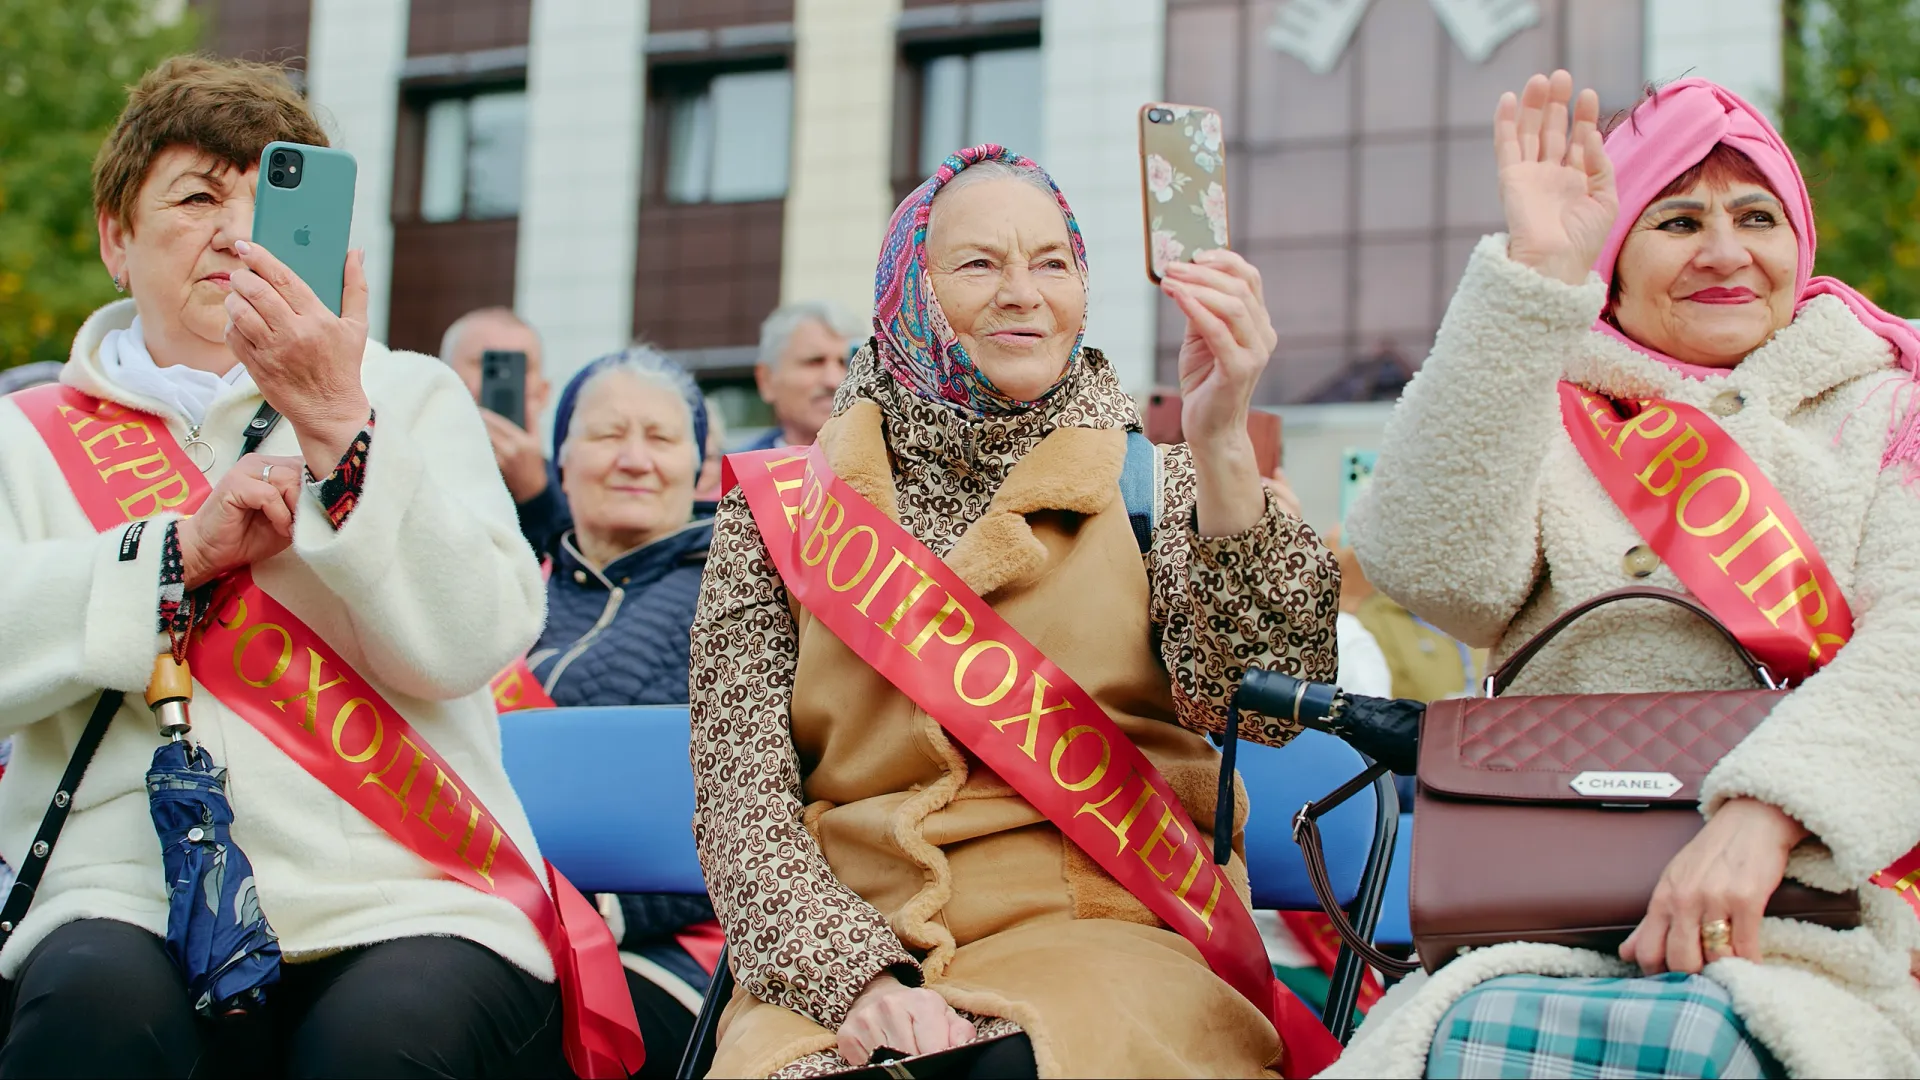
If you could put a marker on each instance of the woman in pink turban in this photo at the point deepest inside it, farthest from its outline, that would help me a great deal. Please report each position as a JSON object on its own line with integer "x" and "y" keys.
{"x": 1648, "y": 327}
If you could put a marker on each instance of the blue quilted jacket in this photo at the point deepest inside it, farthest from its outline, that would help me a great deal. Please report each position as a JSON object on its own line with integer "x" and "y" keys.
{"x": 618, "y": 636}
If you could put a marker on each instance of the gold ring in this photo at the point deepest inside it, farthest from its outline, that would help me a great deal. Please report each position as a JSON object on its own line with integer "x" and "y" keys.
{"x": 1716, "y": 937}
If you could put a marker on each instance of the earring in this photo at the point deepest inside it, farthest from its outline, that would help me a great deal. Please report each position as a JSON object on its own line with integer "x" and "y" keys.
{"x": 119, "y": 285}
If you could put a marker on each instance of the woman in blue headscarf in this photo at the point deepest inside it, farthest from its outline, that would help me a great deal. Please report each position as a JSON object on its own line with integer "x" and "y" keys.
{"x": 879, "y": 886}
{"x": 629, "y": 437}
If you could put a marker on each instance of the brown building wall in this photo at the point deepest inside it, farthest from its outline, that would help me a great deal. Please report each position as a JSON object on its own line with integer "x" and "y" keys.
{"x": 442, "y": 270}
{"x": 269, "y": 30}
{"x": 1360, "y": 193}
{"x": 706, "y": 274}
{"x": 437, "y": 27}
{"x": 664, "y": 16}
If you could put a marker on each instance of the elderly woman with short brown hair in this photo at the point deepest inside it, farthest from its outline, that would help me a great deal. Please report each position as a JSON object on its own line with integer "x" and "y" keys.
{"x": 882, "y": 884}
{"x": 370, "y": 577}
{"x": 1642, "y": 382}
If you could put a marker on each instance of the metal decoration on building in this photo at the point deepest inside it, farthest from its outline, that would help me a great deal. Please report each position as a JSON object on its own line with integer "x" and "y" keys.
{"x": 1479, "y": 26}
{"x": 1317, "y": 31}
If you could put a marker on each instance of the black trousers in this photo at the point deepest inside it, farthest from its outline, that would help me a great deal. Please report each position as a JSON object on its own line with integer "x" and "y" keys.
{"x": 101, "y": 998}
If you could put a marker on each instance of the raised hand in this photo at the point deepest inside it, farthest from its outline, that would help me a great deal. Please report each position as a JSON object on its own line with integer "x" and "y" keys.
{"x": 1228, "y": 340}
{"x": 1557, "y": 187}
{"x": 305, "y": 359}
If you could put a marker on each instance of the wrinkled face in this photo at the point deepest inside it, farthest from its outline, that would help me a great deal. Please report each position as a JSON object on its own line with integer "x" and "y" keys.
{"x": 500, "y": 335}
{"x": 1002, "y": 268}
{"x": 629, "y": 461}
{"x": 1706, "y": 276}
{"x": 176, "y": 253}
{"x": 801, "y": 384}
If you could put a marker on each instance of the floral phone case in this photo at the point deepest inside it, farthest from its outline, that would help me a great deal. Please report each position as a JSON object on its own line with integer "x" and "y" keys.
{"x": 1183, "y": 172}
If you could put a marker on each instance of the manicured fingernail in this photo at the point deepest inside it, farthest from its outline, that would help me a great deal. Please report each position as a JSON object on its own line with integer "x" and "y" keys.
{"x": 241, "y": 247}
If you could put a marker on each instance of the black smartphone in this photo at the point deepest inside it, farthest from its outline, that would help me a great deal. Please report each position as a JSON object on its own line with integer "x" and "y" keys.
{"x": 503, "y": 384}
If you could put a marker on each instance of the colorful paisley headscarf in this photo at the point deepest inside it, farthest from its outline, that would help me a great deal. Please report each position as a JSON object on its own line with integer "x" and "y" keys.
{"x": 911, "y": 333}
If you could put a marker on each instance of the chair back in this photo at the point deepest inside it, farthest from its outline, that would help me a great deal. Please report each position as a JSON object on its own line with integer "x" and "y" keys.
{"x": 1281, "y": 780}
{"x": 610, "y": 794}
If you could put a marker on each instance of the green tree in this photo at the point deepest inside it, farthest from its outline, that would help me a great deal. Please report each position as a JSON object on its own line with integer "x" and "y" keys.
{"x": 65, "y": 66}
{"x": 1852, "y": 115}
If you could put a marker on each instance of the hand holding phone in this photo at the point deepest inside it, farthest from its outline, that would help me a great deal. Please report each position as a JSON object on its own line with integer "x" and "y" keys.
{"x": 298, "y": 307}
{"x": 503, "y": 384}
{"x": 303, "y": 211}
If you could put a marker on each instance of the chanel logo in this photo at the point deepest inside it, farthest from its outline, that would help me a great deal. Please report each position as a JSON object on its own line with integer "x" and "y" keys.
{"x": 1643, "y": 785}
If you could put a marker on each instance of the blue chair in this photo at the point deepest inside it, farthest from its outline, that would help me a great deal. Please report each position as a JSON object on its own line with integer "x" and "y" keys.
{"x": 610, "y": 794}
{"x": 1396, "y": 923}
{"x": 1358, "y": 835}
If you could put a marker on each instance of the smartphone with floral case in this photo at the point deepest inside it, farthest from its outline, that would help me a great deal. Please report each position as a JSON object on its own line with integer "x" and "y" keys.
{"x": 1183, "y": 174}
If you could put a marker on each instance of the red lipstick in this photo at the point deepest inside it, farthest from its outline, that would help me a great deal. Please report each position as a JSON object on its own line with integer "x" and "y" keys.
{"x": 1720, "y": 295}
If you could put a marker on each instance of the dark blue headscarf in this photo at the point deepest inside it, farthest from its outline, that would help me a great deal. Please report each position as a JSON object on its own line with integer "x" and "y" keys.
{"x": 644, "y": 360}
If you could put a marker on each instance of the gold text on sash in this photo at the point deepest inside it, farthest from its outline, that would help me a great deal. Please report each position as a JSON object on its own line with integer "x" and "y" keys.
{"x": 143, "y": 482}
{"x": 308, "y": 686}
{"x": 1755, "y": 550}
{"x": 985, "y": 673}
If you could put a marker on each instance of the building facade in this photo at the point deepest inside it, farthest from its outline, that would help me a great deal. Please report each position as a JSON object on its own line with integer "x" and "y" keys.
{"x": 673, "y": 169}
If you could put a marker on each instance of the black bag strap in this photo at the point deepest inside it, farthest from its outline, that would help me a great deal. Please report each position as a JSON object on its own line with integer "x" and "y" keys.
{"x": 35, "y": 864}
{"x": 259, "y": 428}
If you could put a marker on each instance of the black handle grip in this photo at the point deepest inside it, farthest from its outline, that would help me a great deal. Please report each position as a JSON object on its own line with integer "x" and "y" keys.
{"x": 1284, "y": 697}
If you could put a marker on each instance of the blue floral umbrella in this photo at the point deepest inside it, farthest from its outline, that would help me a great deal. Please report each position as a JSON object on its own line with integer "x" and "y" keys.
{"x": 216, "y": 933}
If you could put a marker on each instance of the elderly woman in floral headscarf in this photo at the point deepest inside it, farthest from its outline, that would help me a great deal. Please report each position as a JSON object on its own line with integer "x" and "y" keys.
{"x": 879, "y": 886}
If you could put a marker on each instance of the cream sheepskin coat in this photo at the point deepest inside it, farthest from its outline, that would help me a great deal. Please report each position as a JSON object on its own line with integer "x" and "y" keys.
{"x": 427, "y": 590}
{"x": 1483, "y": 519}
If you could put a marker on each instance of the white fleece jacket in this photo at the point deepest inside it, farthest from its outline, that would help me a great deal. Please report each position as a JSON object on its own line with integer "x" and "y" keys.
{"x": 427, "y": 590}
{"x": 1483, "y": 519}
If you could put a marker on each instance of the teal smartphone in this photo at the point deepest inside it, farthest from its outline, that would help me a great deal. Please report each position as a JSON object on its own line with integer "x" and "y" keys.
{"x": 303, "y": 211}
{"x": 1356, "y": 472}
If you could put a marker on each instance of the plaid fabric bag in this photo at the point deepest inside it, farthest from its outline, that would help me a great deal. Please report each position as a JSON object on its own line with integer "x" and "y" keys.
{"x": 1667, "y": 1025}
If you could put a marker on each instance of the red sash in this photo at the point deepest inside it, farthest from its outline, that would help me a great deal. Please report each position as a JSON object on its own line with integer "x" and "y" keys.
{"x": 903, "y": 611}
{"x": 517, "y": 688}
{"x": 266, "y": 665}
{"x": 1708, "y": 511}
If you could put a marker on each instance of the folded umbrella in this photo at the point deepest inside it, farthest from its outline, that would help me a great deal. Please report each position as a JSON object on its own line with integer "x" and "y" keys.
{"x": 216, "y": 932}
{"x": 1388, "y": 731}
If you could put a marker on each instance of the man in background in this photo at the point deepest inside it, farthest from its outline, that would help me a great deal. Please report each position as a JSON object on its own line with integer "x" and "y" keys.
{"x": 803, "y": 360}
{"x": 518, "y": 451}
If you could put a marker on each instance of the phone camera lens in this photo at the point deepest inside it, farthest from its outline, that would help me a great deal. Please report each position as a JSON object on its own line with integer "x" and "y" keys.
{"x": 1157, "y": 116}
{"x": 279, "y": 157}
{"x": 277, "y": 177}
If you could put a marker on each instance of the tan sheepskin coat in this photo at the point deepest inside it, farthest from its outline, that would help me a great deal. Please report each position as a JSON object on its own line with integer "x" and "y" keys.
{"x": 927, "y": 859}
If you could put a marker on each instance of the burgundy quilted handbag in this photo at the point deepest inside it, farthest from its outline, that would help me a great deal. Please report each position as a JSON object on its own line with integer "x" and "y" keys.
{"x": 1551, "y": 818}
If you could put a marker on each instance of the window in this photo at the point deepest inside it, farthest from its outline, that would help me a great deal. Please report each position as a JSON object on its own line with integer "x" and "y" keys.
{"x": 472, "y": 150}
{"x": 979, "y": 97}
{"x": 729, "y": 138}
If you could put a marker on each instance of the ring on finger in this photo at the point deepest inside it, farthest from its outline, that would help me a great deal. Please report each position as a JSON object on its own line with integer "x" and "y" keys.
{"x": 1716, "y": 937}
{"x": 267, "y": 474}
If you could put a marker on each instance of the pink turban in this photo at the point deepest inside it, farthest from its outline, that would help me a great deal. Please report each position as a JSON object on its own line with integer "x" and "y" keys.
{"x": 1673, "y": 132}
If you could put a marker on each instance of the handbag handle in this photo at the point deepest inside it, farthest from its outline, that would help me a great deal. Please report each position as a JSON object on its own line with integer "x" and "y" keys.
{"x": 1306, "y": 833}
{"x": 1504, "y": 675}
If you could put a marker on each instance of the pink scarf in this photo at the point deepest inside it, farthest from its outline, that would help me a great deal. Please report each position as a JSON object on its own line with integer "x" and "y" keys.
{"x": 1672, "y": 133}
